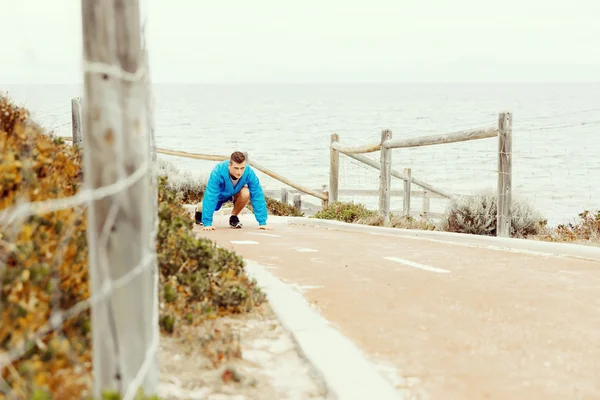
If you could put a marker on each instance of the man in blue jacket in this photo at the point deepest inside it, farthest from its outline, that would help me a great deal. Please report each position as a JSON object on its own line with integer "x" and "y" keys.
{"x": 232, "y": 180}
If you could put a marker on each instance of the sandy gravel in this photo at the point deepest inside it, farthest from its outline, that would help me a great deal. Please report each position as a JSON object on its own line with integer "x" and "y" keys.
{"x": 260, "y": 362}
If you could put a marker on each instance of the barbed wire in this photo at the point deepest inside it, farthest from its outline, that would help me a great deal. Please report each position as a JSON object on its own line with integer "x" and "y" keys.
{"x": 564, "y": 126}
{"x": 560, "y": 115}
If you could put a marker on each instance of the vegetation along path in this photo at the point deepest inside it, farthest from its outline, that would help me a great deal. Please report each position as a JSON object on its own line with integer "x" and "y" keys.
{"x": 456, "y": 321}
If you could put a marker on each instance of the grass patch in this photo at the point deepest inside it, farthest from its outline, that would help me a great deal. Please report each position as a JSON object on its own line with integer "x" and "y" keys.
{"x": 43, "y": 265}
{"x": 358, "y": 214}
{"x": 399, "y": 221}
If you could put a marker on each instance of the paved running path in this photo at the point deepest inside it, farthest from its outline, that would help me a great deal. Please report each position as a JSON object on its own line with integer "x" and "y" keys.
{"x": 466, "y": 322}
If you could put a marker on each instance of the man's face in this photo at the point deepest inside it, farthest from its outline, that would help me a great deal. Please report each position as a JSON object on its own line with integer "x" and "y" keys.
{"x": 236, "y": 170}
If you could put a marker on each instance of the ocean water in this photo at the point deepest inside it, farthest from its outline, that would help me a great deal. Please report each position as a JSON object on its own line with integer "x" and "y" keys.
{"x": 287, "y": 128}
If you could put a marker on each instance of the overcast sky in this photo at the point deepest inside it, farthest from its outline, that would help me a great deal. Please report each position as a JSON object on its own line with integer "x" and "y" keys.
{"x": 322, "y": 41}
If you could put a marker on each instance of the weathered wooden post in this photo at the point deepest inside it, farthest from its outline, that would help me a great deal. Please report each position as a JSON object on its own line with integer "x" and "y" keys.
{"x": 426, "y": 202}
{"x": 153, "y": 374}
{"x": 116, "y": 152}
{"x": 76, "y": 124}
{"x": 385, "y": 177}
{"x": 298, "y": 202}
{"x": 284, "y": 195}
{"x": 503, "y": 222}
{"x": 325, "y": 202}
{"x": 407, "y": 187}
{"x": 334, "y": 169}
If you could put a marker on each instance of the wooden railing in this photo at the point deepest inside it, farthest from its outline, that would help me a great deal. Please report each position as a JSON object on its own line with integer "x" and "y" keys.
{"x": 425, "y": 195}
{"x": 503, "y": 131}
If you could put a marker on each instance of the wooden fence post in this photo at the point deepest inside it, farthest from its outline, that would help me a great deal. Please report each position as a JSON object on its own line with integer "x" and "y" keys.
{"x": 76, "y": 120}
{"x": 503, "y": 222}
{"x": 284, "y": 195}
{"x": 334, "y": 170}
{"x": 325, "y": 203}
{"x": 119, "y": 225}
{"x": 385, "y": 177}
{"x": 298, "y": 202}
{"x": 407, "y": 187}
{"x": 426, "y": 203}
{"x": 153, "y": 374}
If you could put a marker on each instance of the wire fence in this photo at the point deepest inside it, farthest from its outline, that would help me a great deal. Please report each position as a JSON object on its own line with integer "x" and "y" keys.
{"x": 78, "y": 229}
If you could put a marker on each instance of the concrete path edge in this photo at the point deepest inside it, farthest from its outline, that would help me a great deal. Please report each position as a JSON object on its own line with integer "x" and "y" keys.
{"x": 492, "y": 242}
{"x": 343, "y": 367}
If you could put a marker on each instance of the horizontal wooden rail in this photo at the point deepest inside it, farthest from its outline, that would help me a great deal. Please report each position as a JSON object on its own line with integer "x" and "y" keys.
{"x": 395, "y": 174}
{"x": 368, "y": 148}
{"x": 365, "y": 192}
{"x": 185, "y": 154}
{"x": 215, "y": 157}
{"x": 461, "y": 136}
{"x": 303, "y": 189}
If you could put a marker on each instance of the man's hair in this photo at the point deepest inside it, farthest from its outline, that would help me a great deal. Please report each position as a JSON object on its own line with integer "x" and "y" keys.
{"x": 237, "y": 157}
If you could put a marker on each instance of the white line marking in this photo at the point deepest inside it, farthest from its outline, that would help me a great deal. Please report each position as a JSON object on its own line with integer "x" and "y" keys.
{"x": 244, "y": 242}
{"x": 305, "y": 250}
{"x": 523, "y": 246}
{"x": 483, "y": 246}
{"x": 263, "y": 234}
{"x": 417, "y": 265}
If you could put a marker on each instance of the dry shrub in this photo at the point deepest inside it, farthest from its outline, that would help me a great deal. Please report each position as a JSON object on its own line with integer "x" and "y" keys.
{"x": 43, "y": 266}
{"x": 189, "y": 189}
{"x": 477, "y": 214}
{"x": 585, "y": 229}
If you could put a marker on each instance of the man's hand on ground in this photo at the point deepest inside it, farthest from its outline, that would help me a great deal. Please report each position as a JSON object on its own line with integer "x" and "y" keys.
{"x": 265, "y": 228}
{"x": 208, "y": 228}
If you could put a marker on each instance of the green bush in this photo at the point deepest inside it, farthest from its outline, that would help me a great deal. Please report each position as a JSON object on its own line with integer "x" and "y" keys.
{"x": 344, "y": 211}
{"x": 197, "y": 277}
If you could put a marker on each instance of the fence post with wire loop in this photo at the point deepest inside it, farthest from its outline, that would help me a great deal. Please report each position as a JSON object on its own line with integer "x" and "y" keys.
{"x": 122, "y": 258}
{"x": 503, "y": 222}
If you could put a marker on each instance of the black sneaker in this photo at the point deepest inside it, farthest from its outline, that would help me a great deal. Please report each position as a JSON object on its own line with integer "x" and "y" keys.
{"x": 198, "y": 218}
{"x": 234, "y": 221}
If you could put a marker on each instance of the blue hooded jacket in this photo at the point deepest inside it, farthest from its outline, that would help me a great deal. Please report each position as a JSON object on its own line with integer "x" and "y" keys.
{"x": 219, "y": 189}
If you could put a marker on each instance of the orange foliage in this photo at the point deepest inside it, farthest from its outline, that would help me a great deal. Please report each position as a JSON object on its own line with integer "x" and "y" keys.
{"x": 43, "y": 261}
